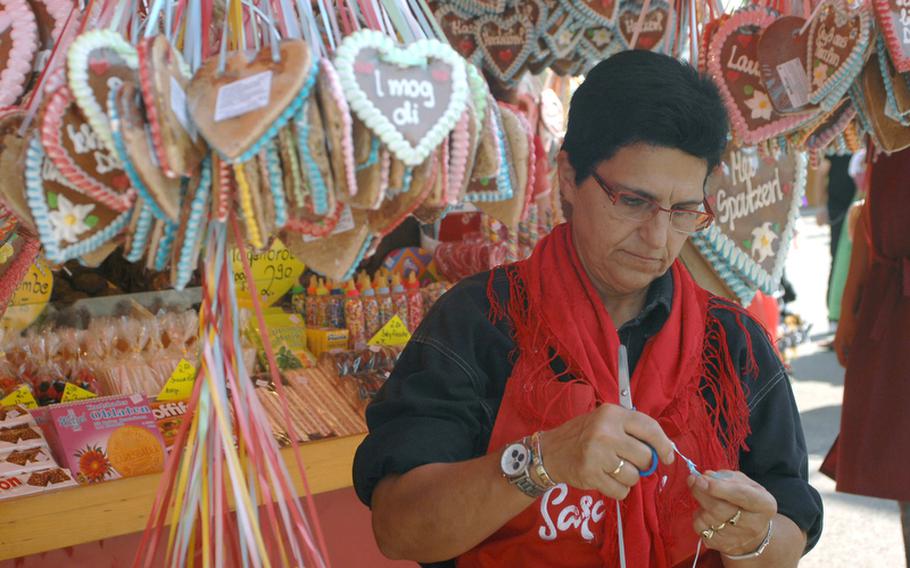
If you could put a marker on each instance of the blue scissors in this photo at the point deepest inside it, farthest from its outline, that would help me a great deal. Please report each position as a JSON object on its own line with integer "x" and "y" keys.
{"x": 625, "y": 399}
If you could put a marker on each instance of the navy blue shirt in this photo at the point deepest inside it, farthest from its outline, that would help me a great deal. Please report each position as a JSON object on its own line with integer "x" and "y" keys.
{"x": 440, "y": 402}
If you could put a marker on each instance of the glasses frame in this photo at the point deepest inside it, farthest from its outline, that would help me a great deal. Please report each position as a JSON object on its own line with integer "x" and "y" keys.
{"x": 615, "y": 194}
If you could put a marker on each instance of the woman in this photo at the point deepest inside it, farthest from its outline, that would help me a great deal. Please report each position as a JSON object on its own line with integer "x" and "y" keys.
{"x": 500, "y": 439}
{"x": 872, "y": 341}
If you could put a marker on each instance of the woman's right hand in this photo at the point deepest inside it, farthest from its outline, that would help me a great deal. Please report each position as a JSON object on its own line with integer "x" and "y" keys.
{"x": 843, "y": 339}
{"x": 585, "y": 451}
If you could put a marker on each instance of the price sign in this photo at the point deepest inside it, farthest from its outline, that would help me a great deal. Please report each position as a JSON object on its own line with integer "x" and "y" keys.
{"x": 72, "y": 392}
{"x": 392, "y": 334}
{"x": 180, "y": 385}
{"x": 30, "y": 298}
{"x": 21, "y": 395}
{"x": 275, "y": 271}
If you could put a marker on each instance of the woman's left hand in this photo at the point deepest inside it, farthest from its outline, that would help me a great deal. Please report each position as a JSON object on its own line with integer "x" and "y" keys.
{"x": 733, "y": 513}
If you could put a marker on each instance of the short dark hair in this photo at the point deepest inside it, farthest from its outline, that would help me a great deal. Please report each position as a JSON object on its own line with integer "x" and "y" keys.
{"x": 639, "y": 96}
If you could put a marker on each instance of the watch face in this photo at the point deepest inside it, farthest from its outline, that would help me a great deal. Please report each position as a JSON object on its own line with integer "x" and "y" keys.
{"x": 514, "y": 460}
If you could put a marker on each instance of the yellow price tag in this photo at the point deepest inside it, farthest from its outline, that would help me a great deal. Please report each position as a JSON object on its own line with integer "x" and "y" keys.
{"x": 21, "y": 395}
{"x": 72, "y": 392}
{"x": 180, "y": 385}
{"x": 392, "y": 334}
{"x": 30, "y": 298}
{"x": 275, "y": 272}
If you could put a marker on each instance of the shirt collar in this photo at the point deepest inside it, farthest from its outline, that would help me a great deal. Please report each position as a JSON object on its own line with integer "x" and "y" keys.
{"x": 656, "y": 310}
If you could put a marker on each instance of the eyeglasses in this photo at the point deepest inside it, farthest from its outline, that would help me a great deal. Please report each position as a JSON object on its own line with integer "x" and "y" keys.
{"x": 639, "y": 208}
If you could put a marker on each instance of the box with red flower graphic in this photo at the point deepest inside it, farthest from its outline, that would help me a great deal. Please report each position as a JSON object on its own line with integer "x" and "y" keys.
{"x": 107, "y": 438}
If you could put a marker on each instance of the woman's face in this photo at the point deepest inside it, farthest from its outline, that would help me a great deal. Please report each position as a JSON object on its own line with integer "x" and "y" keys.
{"x": 623, "y": 256}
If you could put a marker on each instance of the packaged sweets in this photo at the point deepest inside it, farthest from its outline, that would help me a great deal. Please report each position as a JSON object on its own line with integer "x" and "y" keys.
{"x": 169, "y": 415}
{"x": 28, "y": 483}
{"x": 415, "y": 302}
{"x": 354, "y": 317}
{"x": 26, "y": 458}
{"x": 400, "y": 299}
{"x": 371, "y": 319}
{"x": 107, "y": 438}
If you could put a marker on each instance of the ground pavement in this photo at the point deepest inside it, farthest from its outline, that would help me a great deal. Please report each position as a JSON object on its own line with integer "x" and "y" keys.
{"x": 859, "y": 532}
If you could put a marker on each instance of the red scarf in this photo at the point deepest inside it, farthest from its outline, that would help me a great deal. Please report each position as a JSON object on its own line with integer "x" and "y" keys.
{"x": 556, "y": 312}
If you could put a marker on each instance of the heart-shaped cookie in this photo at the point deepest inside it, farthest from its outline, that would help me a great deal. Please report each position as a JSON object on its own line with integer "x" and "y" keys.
{"x": 164, "y": 79}
{"x": 656, "y": 29}
{"x": 894, "y": 20}
{"x": 825, "y": 130}
{"x": 562, "y": 33}
{"x": 459, "y": 27}
{"x": 335, "y": 256}
{"x": 782, "y": 61}
{"x": 131, "y": 137}
{"x": 733, "y": 64}
{"x": 79, "y": 154}
{"x": 599, "y": 13}
{"x": 891, "y": 136}
{"x": 18, "y": 46}
{"x": 240, "y": 109}
{"x": 96, "y": 62}
{"x": 12, "y": 156}
{"x": 336, "y": 120}
{"x": 192, "y": 227}
{"x": 898, "y": 91}
{"x": 838, "y": 45}
{"x": 51, "y": 17}
{"x": 506, "y": 43}
{"x": 395, "y": 208}
{"x": 409, "y": 97}
{"x": 520, "y": 143}
{"x": 70, "y": 224}
{"x": 598, "y": 43}
{"x": 756, "y": 200}
{"x": 314, "y": 159}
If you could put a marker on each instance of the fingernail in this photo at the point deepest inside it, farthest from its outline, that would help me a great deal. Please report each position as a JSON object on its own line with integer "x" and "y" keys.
{"x": 671, "y": 457}
{"x": 702, "y": 483}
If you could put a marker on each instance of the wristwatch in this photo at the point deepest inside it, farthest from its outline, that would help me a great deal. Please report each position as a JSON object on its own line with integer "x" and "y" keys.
{"x": 515, "y": 464}
{"x": 758, "y": 551}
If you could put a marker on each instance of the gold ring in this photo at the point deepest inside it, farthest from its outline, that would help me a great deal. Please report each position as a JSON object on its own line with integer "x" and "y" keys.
{"x": 719, "y": 527}
{"x": 616, "y": 471}
{"x": 708, "y": 533}
{"x": 735, "y": 518}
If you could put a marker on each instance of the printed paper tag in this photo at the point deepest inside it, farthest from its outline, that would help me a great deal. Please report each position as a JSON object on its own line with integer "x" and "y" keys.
{"x": 243, "y": 96}
{"x": 21, "y": 395}
{"x": 72, "y": 392}
{"x": 275, "y": 272}
{"x": 795, "y": 81}
{"x": 392, "y": 334}
{"x": 178, "y": 104}
{"x": 180, "y": 385}
{"x": 345, "y": 223}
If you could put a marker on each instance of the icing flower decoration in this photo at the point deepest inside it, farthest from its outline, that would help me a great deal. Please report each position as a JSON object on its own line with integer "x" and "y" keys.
{"x": 69, "y": 220}
{"x": 565, "y": 37}
{"x": 760, "y": 105}
{"x": 601, "y": 37}
{"x": 762, "y": 237}
{"x": 6, "y": 251}
{"x": 820, "y": 75}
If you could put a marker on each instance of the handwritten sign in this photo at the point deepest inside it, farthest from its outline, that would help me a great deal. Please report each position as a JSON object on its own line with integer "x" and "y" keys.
{"x": 22, "y": 395}
{"x": 72, "y": 392}
{"x": 392, "y": 334}
{"x": 180, "y": 385}
{"x": 30, "y": 298}
{"x": 275, "y": 271}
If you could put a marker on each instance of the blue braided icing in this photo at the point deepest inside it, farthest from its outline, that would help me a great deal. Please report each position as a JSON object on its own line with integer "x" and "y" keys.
{"x": 276, "y": 184}
{"x": 360, "y": 254}
{"x": 163, "y": 254}
{"x": 318, "y": 189}
{"x": 373, "y": 157}
{"x": 195, "y": 227}
{"x": 139, "y": 242}
{"x": 282, "y": 119}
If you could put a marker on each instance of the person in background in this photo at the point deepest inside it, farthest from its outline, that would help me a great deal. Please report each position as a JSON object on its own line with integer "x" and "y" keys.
{"x": 872, "y": 340}
{"x": 841, "y": 190}
{"x": 503, "y": 437}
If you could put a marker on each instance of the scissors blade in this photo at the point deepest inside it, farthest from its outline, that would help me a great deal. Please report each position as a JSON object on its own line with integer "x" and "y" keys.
{"x": 625, "y": 387}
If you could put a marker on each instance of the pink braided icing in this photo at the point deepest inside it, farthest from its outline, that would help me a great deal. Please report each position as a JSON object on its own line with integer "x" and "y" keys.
{"x": 457, "y": 168}
{"x": 347, "y": 137}
{"x": 24, "y": 33}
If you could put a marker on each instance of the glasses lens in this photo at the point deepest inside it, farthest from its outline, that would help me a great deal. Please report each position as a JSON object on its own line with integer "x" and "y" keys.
{"x": 633, "y": 207}
{"x": 687, "y": 221}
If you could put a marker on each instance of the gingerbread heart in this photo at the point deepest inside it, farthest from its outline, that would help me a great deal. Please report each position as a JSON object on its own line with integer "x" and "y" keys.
{"x": 838, "y": 44}
{"x": 371, "y": 165}
{"x": 656, "y": 28}
{"x": 98, "y": 61}
{"x": 891, "y": 135}
{"x": 18, "y": 46}
{"x": 51, "y": 17}
{"x": 756, "y": 200}
{"x": 600, "y": 13}
{"x": 825, "y": 130}
{"x": 192, "y": 226}
{"x": 164, "y": 79}
{"x": 12, "y": 154}
{"x": 562, "y": 33}
{"x": 598, "y": 43}
{"x": 335, "y": 256}
{"x": 397, "y": 207}
{"x": 70, "y": 224}
{"x": 131, "y": 140}
{"x": 80, "y": 156}
{"x": 521, "y": 161}
{"x": 506, "y": 43}
{"x": 733, "y": 64}
{"x": 409, "y": 97}
{"x": 459, "y": 27}
{"x": 336, "y": 120}
{"x": 898, "y": 106}
{"x": 315, "y": 162}
{"x": 782, "y": 61}
{"x": 894, "y": 20}
{"x": 240, "y": 109}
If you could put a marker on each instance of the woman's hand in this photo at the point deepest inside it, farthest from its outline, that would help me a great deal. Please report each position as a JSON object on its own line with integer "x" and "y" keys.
{"x": 733, "y": 509}
{"x": 843, "y": 339}
{"x": 604, "y": 449}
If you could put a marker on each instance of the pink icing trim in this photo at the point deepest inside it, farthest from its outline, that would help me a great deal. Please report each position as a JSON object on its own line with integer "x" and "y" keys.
{"x": 223, "y": 193}
{"x": 833, "y": 131}
{"x": 347, "y": 137}
{"x": 143, "y": 52}
{"x": 320, "y": 228}
{"x": 886, "y": 22}
{"x": 17, "y": 270}
{"x": 757, "y": 17}
{"x": 457, "y": 168}
{"x": 532, "y": 163}
{"x": 59, "y": 10}
{"x": 50, "y": 139}
{"x": 443, "y": 168}
{"x": 24, "y": 33}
